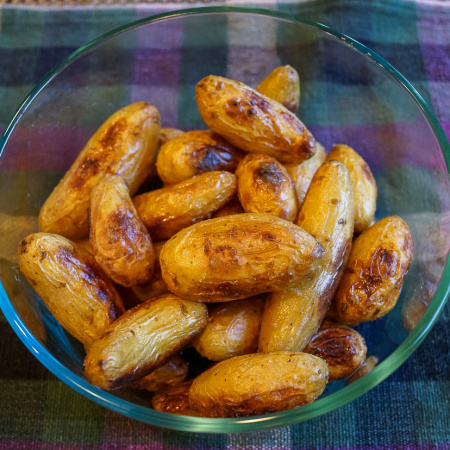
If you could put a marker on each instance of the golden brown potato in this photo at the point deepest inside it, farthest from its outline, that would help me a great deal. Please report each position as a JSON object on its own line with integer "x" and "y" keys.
{"x": 174, "y": 400}
{"x": 258, "y": 384}
{"x": 282, "y": 85}
{"x": 302, "y": 173}
{"x": 71, "y": 284}
{"x": 367, "y": 366}
{"x": 235, "y": 257}
{"x": 378, "y": 263}
{"x": 124, "y": 145}
{"x": 168, "y": 210}
{"x": 364, "y": 185}
{"x": 232, "y": 329}
{"x": 264, "y": 186}
{"x": 193, "y": 153}
{"x": 142, "y": 339}
{"x": 232, "y": 207}
{"x": 172, "y": 373}
{"x": 341, "y": 347}
{"x": 291, "y": 317}
{"x": 121, "y": 243}
{"x": 251, "y": 121}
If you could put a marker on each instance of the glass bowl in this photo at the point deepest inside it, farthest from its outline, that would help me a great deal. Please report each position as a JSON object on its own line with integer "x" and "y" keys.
{"x": 348, "y": 95}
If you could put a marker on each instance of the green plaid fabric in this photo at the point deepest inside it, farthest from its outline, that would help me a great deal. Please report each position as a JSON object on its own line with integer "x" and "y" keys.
{"x": 408, "y": 411}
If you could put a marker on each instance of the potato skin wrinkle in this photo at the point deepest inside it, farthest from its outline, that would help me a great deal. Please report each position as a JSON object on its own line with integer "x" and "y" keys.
{"x": 121, "y": 243}
{"x": 364, "y": 185}
{"x": 125, "y": 145}
{"x": 378, "y": 263}
{"x": 234, "y": 257}
{"x": 292, "y": 316}
{"x": 193, "y": 153}
{"x": 71, "y": 284}
{"x": 142, "y": 339}
{"x": 283, "y": 86}
{"x": 258, "y": 384}
{"x": 264, "y": 186}
{"x": 251, "y": 121}
{"x": 168, "y": 210}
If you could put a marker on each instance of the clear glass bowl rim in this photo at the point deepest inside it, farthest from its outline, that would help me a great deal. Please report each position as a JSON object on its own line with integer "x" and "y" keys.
{"x": 230, "y": 425}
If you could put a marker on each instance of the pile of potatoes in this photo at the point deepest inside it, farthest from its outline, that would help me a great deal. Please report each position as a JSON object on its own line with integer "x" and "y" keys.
{"x": 259, "y": 251}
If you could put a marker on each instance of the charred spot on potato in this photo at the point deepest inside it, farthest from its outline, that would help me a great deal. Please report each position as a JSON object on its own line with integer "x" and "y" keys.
{"x": 114, "y": 133}
{"x": 87, "y": 168}
{"x": 269, "y": 174}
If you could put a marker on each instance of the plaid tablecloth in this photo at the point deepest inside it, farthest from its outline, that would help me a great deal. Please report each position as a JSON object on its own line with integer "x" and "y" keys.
{"x": 410, "y": 410}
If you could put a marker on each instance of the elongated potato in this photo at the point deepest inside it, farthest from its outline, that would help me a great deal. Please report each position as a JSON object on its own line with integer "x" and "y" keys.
{"x": 364, "y": 185}
{"x": 378, "y": 263}
{"x": 121, "y": 243}
{"x": 302, "y": 173}
{"x": 232, "y": 329}
{"x": 124, "y": 145}
{"x": 193, "y": 153}
{"x": 234, "y": 257}
{"x": 251, "y": 121}
{"x": 282, "y": 85}
{"x": 264, "y": 186}
{"x": 340, "y": 346}
{"x": 142, "y": 339}
{"x": 71, "y": 284}
{"x": 174, "y": 400}
{"x": 258, "y": 384}
{"x": 292, "y": 317}
{"x": 170, "y": 209}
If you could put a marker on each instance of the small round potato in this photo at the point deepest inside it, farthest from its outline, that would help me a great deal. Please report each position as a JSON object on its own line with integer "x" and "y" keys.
{"x": 264, "y": 186}
{"x": 142, "y": 339}
{"x": 378, "y": 263}
{"x": 341, "y": 347}
{"x": 193, "y": 153}
{"x": 364, "y": 185}
{"x": 251, "y": 121}
{"x": 258, "y": 384}
{"x": 283, "y": 86}
{"x": 232, "y": 329}
{"x": 234, "y": 257}
{"x": 121, "y": 243}
{"x": 168, "y": 210}
{"x": 71, "y": 284}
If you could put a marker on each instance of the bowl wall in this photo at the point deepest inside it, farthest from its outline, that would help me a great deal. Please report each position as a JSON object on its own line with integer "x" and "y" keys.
{"x": 348, "y": 95}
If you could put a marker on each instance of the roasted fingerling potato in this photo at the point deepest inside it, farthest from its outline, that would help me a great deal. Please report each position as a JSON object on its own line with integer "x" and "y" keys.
{"x": 71, "y": 284}
{"x": 124, "y": 145}
{"x": 259, "y": 383}
{"x": 239, "y": 256}
{"x": 264, "y": 186}
{"x": 379, "y": 261}
{"x": 232, "y": 207}
{"x": 142, "y": 339}
{"x": 174, "y": 400}
{"x": 251, "y": 121}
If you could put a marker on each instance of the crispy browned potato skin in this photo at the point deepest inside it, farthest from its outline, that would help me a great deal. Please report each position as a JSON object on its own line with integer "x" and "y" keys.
{"x": 125, "y": 145}
{"x": 174, "y": 400}
{"x": 283, "y": 86}
{"x": 142, "y": 339}
{"x": 340, "y": 346}
{"x": 172, "y": 373}
{"x": 71, "y": 284}
{"x": 232, "y": 207}
{"x": 251, "y": 121}
{"x": 193, "y": 153}
{"x": 168, "y": 210}
{"x": 378, "y": 263}
{"x": 302, "y": 173}
{"x": 291, "y": 317}
{"x": 234, "y": 257}
{"x": 264, "y": 186}
{"x": 122, "y": 245}
{"x": 258, "y": 384}
{"x": 364, "y": 185}
{"x": 232, "y": 329}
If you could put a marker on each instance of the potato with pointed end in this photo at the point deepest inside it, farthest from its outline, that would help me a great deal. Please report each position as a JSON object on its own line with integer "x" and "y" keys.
{"x": 124, "y": 145}
{"x": 234, "y": 257}
{"x": 251, "y": 121}
{"x": 292, "y": 316}
{"x": 71, "y": 284}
